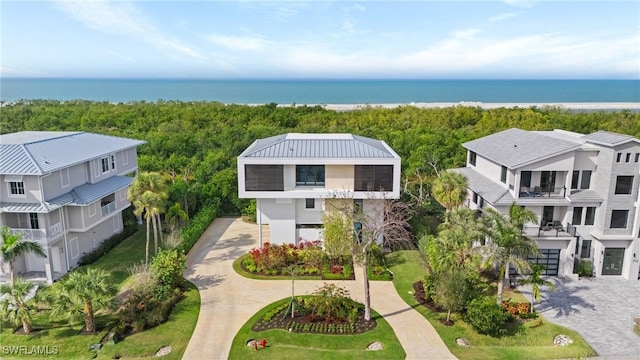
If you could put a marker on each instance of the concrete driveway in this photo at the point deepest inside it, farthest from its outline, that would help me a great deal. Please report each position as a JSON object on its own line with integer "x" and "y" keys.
{"x": 228, "y": 300}
{"x": 600, "y": 309}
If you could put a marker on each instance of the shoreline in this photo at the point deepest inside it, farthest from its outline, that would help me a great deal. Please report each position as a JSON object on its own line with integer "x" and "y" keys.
{"x": 568, "y": 105}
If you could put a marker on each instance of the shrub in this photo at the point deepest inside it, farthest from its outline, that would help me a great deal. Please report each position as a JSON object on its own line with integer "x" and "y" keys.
{"x": 486, "y": 317}
{"x": 331, "y": 302}
{"x": 249, "y": 212}
{"x": 582, "y": 267}
{"x": 167, "y": 268}
{"x": 197, "y": 226}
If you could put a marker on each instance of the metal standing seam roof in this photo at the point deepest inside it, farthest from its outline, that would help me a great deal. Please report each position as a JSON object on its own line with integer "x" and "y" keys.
{"x": 38, "y": 153}
{"x": 514, "y": 148}
{"x": 88, "y": 193}
{"x": 318, "y": 146}
{"x": 608, "y": 138}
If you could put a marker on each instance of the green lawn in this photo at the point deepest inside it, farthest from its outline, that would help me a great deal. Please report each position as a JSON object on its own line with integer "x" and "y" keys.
{"x": 532, "y": 340}
{"x": 70, "y": 345}
{"x": 285, "y": 345}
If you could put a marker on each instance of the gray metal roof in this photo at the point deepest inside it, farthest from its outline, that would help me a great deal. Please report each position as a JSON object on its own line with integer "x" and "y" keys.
{"x": 608, "y": 138}
{"x": 15, "y": 207}
{"x": 483, "y": 186}
{"x": 88, "y": 193}
{"x": 38, "y": 153}
{"x": 514, "y": 148}
{"x": 319, "y": 146}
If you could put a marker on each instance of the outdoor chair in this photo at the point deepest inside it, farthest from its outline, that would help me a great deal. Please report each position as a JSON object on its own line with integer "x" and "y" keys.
{"x": 524, "y": 192}
{"x": 537, "y": 191}
{"x": 557, "y": 225}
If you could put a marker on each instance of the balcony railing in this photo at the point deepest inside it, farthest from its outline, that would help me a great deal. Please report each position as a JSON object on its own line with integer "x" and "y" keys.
{"x": 540, "y": 192}
{"x": 30, "y": 234}
{"x": 109, "y": 208}
{"x": 550, "y": 229}
{"x": 55, "y": 229}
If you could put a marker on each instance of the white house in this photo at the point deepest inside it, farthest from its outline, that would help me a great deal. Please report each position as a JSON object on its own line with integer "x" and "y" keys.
{"x": 65, "y": 190}
{"x": 291, "y": 175}
{"x": 583, "y": 188}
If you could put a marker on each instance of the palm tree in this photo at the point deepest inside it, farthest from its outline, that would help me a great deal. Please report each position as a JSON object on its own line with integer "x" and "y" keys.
{"x": 13, "y": 246}
{"x": 535, "y": 279}
{"x": 176, "y": 216}
{"x": 148, "y": 193}
{"x": 82, "y": 292}
{"x": 508, "y": 244}
{"x": 18, "y": 299}
{"x": 456, "y": 237}
{"x": 450, "y": 189}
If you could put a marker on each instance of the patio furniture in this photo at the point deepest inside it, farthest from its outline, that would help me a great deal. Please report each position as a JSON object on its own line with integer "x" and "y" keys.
{"x": 557, "y": 225}
{"x": 537, "y": 191}
{"x": 524, "y": 192}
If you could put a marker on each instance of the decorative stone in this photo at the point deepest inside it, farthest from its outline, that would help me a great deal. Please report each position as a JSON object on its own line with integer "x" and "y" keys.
{"x": 251, "y": 343}
{"x": 375, "y": 346}
{"x": 165, "y": 350}
{"x": 562, "y": 340}
{"x": 462, "y": 342}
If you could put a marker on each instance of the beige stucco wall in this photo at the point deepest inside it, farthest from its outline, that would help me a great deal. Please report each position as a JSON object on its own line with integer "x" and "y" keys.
{"x": 339, "y": 177}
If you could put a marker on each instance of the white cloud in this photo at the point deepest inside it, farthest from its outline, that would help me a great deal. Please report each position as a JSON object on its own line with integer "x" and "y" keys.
{"x": 503, "y": 16}
{"x": 520, "y": 3}
{"x": 121, "y": 18}
{"x": 238, "y": 42}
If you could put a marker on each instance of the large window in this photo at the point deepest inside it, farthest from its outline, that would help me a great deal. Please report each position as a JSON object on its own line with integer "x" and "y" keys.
{"x": 586, "y": 179}
{"x": 472, "y": 158}
{"x": 374, "y": 178}
{"x": 619, "y": 219}
{"x": 590, "y": 217}
{"x": 574, "y": 179}
{"x": 310, "y": 175}
{"x": 624, "y": 184}
{"x": 525, "y": 179}
{"x": 503, "y": 174}
{"x": 263, "y": 178}
{"x": 585, "y": 250}
{"x": 105, "y": 164}
{"x": 577, "y": 216}
{"x": 16, "y": 188}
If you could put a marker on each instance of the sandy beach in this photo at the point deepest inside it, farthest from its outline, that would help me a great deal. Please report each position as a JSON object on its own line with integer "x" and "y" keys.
{"x": 570, "y": 106}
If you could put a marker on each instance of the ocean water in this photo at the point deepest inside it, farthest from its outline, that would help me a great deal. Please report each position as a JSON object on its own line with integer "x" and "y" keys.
{"x": 322, "y": 91}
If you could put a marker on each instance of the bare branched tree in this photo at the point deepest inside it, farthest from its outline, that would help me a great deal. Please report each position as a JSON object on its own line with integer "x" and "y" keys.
{"x": 380, "y": 221}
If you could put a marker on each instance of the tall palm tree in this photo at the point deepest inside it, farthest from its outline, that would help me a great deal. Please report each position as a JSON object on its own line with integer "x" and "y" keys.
{"x": 148, "y": 194}
{"x": 535, "y": 279}
{"x": 83, "y": 292}
{"x": 456, "y": 237}
{"x": 18, "y": 302}
{"x": 175, "y": 216}
{"x": 450, "y": 189}
{"x": 508, "y": 244}
{"x": 14, "y": 246}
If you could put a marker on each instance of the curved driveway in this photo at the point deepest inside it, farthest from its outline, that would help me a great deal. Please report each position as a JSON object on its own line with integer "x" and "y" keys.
{"x": 228, "y": 300}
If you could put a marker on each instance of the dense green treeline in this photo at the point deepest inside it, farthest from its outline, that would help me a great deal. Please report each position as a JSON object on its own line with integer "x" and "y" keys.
{"x": 196, "y": 143}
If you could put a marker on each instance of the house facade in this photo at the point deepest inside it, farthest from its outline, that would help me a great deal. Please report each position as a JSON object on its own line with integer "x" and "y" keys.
{"x": 291, "y": 176}
{"x": 64, "y": 190}
{"x": 583, "y": 189}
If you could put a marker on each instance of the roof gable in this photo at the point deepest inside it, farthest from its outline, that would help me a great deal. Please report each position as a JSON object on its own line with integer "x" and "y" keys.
{"x": 608, "y": 138}
{"x": 515, "y": 148}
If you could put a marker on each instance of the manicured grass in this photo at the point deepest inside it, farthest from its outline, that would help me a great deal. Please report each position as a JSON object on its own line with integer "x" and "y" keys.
{"x": 70, "y": 345}
{"x": 282, "y": 344}
{"x": 532, "y": 340}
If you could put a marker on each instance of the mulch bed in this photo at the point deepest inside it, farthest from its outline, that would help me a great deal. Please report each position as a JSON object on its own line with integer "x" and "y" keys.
{"x": 421, "y": 297}
{"x": 303, "y": 324}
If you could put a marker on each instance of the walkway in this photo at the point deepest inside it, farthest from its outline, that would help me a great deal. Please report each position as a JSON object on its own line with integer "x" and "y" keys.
{"x": 600, "y": 309}
{"x": 228, "y": 300}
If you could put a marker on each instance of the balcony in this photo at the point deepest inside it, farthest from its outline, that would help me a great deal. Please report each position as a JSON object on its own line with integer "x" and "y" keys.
{"x": 543, "y": 192}
{"x": 553, "y": 229}
{"x": 30, "y": 234}
{"x": 108, "y": 208}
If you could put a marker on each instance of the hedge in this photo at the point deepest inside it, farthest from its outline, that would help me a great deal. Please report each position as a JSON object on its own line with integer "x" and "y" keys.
{"x": 197, "y": 225}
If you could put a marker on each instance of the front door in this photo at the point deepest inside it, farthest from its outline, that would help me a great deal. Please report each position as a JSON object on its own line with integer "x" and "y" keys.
{"x": 612, "y": 263}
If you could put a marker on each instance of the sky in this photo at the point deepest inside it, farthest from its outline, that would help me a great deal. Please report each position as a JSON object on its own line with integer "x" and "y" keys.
{"x": 512, "y": 39}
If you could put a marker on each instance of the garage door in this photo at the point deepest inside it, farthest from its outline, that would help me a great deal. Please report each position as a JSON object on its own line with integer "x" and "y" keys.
{"x": 550, "y": 259}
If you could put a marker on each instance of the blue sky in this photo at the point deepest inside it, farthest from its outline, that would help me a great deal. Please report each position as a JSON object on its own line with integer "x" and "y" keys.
{"x": 515, "y": 39}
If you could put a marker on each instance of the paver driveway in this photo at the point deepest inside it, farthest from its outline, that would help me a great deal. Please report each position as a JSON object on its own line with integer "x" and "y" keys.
{"x": 228, "y": 300}
{"x": 600, "y": 309}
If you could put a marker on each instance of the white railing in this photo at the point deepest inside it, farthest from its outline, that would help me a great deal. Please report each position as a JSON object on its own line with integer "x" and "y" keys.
{"x": 55, "y": 229}
{"x": 30, "y": 234}
{"x": 109, "y": 208}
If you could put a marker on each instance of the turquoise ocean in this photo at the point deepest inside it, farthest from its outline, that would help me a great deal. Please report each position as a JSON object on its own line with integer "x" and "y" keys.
{"x": 322, "y": 91}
